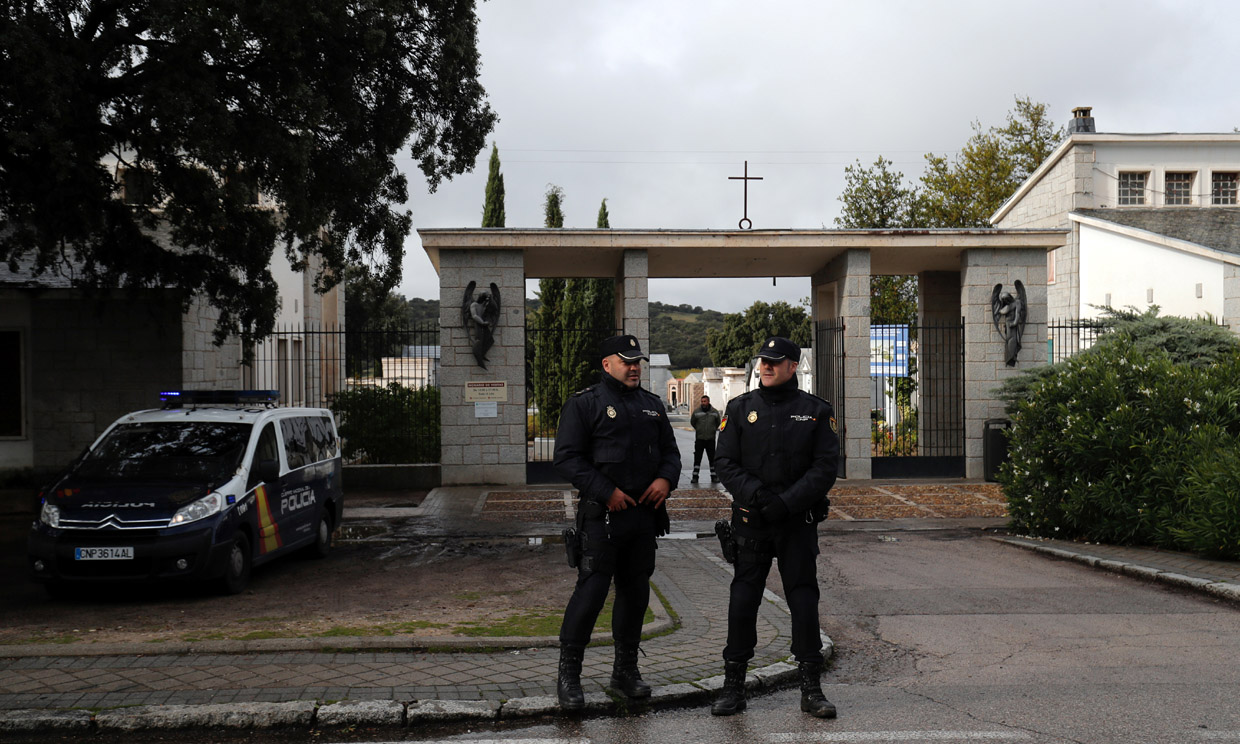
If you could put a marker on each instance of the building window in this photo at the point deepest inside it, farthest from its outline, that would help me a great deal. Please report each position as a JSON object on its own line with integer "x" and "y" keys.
{"x": 1131, "y": 189}
{"x": 1179, "y": 189}
{"x": 11, "y": 373}
{"x": 1223, "y": 188}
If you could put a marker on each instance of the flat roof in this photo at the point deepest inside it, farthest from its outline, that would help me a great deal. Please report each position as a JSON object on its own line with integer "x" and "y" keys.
{"x": 688, "y": 254}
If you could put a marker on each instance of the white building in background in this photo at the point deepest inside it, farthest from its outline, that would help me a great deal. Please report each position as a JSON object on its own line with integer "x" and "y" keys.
{"x": 417, "y": 367}
{"x": 660, "y": 373}
{"x": 1154, "y": 219}
{"x": 723, "y": 384}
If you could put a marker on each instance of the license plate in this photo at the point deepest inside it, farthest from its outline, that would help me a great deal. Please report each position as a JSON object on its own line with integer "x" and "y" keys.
{"x": 103, "y": 554}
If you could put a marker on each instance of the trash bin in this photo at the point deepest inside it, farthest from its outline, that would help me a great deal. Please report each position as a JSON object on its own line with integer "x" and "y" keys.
{"x": 994, "y": 447}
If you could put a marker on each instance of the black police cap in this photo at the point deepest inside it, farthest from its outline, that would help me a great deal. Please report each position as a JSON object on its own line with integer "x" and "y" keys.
{"x": 778, "y": 349}
{"x": 626, "y": 346}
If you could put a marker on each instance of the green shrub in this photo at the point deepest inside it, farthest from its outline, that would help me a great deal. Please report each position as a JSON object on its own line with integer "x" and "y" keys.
{"x": 1123, "y": 444}
{"x": 1197, "y": 342}
{"x": 390, "y": 425}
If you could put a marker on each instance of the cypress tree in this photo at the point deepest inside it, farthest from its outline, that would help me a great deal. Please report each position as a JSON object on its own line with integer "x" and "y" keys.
{"x": 493, "y": 207}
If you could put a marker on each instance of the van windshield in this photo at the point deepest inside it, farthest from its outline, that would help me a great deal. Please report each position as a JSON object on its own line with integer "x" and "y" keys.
{"x": 193, "y": 451}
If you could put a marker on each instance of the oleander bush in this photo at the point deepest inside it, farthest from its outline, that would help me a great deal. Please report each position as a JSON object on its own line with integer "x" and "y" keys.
{"x": 1132, "y": 443}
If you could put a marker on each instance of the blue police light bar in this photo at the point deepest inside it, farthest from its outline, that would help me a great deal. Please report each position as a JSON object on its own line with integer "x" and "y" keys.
{"x": 180, "y": 398}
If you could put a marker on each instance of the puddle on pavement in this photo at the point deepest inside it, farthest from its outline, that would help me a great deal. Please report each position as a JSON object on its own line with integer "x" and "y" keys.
{"x": 361, "y": 532}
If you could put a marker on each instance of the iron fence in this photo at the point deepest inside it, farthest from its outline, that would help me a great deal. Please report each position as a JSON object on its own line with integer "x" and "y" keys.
{"x": 558, "y": 363}
{"x": 1069, "y": 336}
{"x": 382, "y": 383}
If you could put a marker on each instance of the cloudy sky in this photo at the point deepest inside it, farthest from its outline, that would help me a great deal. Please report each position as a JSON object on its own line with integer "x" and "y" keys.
{"x": 654, "y": 104}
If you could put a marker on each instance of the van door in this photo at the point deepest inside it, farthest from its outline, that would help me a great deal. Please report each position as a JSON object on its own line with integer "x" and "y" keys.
{"x": 267, "y": 494}
{"x": 299, "y": 498}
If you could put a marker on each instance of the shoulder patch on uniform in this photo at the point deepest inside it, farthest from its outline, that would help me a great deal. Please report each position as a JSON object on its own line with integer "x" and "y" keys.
{"x": 724, "y": 422}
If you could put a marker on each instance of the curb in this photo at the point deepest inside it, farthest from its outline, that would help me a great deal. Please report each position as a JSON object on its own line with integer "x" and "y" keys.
{"x": 1224, "y": 590}
{"x": 305, "y": 714}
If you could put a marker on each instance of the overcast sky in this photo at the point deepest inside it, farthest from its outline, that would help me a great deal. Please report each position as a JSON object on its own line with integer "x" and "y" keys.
{"x": 653, "y": 105}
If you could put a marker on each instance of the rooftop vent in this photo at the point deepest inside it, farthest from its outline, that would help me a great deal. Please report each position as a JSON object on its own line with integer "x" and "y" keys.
{"x": 1082, "y": 121}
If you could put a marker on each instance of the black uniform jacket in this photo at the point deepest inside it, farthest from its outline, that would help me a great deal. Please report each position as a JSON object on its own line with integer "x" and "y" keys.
{"x": 612, "y": 436}
{"x": 783, "y": 439}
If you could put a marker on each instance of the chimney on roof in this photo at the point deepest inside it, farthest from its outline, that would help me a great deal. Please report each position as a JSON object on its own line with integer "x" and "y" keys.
{"x": 1082, "y": 121}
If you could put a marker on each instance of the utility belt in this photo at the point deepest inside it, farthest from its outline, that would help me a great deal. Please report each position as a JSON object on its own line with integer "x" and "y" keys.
{"x": 746, "y": 519}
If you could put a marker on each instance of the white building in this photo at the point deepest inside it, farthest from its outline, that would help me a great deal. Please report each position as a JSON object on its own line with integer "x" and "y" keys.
{"x": 660, "y": 367}
{"x": 1154, "y": 219}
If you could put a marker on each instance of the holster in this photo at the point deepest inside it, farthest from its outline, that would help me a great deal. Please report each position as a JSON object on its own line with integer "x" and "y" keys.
{"x": 575, "y": 537}
{"x": 572, "y": 546}
{"x": 723, "y": 530}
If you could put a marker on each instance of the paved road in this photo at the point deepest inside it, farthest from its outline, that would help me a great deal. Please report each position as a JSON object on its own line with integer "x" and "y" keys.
{"x": 950, "y": 635}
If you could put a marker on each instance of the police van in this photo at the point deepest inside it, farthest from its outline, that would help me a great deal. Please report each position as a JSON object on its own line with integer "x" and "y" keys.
{"x": 207, "y": 487}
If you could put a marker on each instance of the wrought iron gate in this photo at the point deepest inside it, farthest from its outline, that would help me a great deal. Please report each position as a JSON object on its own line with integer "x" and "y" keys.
{"x": 917, "y": 400}
{"x": 829, "y": 372}
{"x": 558, "y": 363}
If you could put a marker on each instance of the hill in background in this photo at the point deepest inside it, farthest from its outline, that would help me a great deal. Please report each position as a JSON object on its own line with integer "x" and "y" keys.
{"x": 676, "y": 330}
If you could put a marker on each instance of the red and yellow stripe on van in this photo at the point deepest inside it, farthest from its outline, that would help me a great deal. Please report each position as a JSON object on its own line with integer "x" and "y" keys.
{"x": 268, "y": 530}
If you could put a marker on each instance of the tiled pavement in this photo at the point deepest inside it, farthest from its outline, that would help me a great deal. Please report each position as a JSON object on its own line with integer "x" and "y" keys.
{"x": 690, "y": 576}
{"x": 692, "y": 580}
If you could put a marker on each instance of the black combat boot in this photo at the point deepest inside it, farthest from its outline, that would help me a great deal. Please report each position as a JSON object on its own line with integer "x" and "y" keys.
{"x": 568, "y": 686}
{"x": 813, "y": 701}
{"x": 732, "y": 696}
{"x": 694, "y": 479}
{"x": 625, "y": 677}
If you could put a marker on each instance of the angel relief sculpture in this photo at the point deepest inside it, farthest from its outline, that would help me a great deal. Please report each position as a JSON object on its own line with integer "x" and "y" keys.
{"x": 480, "y": 315}
{"x": 1009, "y": 313}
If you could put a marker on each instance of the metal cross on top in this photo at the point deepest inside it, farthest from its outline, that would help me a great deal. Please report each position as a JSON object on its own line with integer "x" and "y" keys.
{"x": 745, "y": 222}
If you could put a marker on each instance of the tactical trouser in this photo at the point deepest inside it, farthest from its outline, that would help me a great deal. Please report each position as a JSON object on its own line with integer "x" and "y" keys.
{"x": 619, "y": 545}
{"x": 795, "y": 546}
{"x": 707, "y": 445}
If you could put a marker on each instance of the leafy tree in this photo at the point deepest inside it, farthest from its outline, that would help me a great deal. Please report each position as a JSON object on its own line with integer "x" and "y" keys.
{"x": 877, "y": 198}
{"x": 964, "y": 192}
{"x": 737, "y": 342}
{"x": 493, "y": 207}
{"x": 208, "y": 103}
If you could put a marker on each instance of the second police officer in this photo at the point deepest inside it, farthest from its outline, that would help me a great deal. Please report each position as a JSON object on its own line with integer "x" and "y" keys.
{"x": 777, "y": 455}
{"x": 616, "y": 446}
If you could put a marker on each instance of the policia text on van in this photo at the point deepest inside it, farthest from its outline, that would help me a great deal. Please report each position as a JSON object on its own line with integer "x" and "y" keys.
{"x": 209, "y": 486}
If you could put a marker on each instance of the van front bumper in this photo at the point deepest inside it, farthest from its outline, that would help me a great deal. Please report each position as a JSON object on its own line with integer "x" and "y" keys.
{"x": 52, "y": 556}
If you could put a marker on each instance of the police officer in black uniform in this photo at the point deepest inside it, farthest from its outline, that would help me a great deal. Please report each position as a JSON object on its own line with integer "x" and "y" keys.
{"x": 777, "y": 455}
{"x": 616, "y": 446}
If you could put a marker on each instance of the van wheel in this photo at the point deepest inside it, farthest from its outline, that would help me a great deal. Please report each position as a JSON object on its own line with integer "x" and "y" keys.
{"x": 322, "y": 538}
{"x": 238, "y": 566}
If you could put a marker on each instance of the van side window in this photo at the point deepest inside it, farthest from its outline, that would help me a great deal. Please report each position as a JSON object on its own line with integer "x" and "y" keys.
{"x": 296, "y": 445}
{"x": 267, "y": 449}
{"x": 323, "y": 437}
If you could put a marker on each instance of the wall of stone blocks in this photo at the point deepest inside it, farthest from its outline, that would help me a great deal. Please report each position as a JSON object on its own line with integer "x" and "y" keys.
{"x": 1067, "y": 186}
{"x": 482, "y": 450}
{"x": 850, "y": 272}
{"x": 204, "y": 365}
{"x": 94, "y": 360}
{"x": 984, "y": 369}
{"x": 1231, "y": 297}
{"x": 632, "y": 301}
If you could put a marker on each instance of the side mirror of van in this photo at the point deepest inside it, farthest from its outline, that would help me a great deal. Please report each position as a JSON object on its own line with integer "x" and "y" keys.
{"x": 267, "y": 471}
